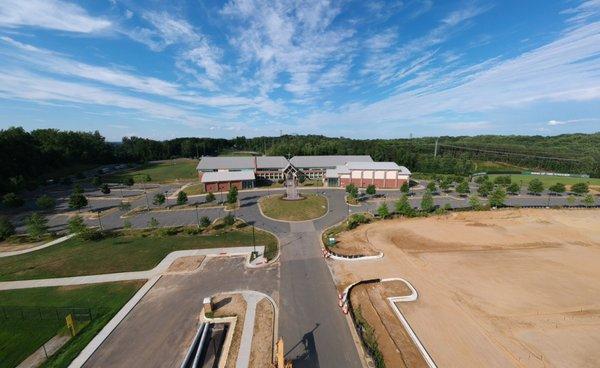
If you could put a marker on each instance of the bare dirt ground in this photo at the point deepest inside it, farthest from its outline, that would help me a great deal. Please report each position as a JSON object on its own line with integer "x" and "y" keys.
{"x": 396, "y": 346}
{"x": 503, "y": 288}
{"x": 185, "y": 264}
{"x": 229, "y": 305}
{"x": 353, "y": 242}
{"x": 262, "y": 339}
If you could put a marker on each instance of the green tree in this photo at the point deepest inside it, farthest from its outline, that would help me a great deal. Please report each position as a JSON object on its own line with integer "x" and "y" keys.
{"x": 78, "y": 189}
{"x": 126, "y": 224}
{"x": 210, "y": 197}
{"x": 96, "y": 181}
{"x": 427, "y": 204}
{"x": 37, "y": 225}
{"x": 589, "y": 200}
{"x": 153, "y": 223}
{"x": 405, "y": 188}
{"x": 128, "y": 181}
{"x": 580, "y": 188}
{"x": 146, "y": 178}
{"x": 535, "y": 186}
{"x": 159, "y": 199}
{"x": 480, "y": 179}
{"x": 513, "y": 189}
{"x": 485, "y": 188}
{"x": 498, "y": 197}
{"x": 446, "y": 183}
{"x": 204, "y": 221}
{"x": 352, "y": 190}
{"x": 45, "y": 202}
{"x": 475, "y": 203}
{"x": 431, "y": 188}
{"x": 571, "y": 199}
{"x": 383, "y": 211}
{"x": 105, "y": 189}
{"x": 504, "y": 180}
{"x": 229, "y": 219}
{"x": 463, "y": 188}
{"x": 76, "y": 225}
{"x": 371, "y": 190}
{"x": 77, "y": 201}
{"x": 232, "y": 195}
{"x": 557, "y": 188}
{"x": 182, "y": 198}
{"x": 403, "y": 207}
{"x": 12, "y": 200}
{"x": 6, "y": 228}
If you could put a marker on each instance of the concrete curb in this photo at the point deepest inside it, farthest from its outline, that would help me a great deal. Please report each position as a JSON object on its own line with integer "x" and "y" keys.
{"x": 291, "y": 221}
{"x": 33, "y": 249}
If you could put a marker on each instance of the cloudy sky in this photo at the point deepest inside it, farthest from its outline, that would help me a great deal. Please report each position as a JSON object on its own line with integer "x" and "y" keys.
{"x": 364, "y": 69}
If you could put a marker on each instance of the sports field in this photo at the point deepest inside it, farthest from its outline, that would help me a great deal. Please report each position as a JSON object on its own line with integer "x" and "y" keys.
{"x": 162, "y": 172}
{"x": 510, "y": 288}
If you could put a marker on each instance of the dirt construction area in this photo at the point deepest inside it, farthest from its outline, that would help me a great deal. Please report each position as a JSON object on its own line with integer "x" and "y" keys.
{"x": 509, "y": 288}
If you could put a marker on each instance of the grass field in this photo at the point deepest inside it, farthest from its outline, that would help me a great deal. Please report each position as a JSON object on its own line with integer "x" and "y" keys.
{"x": 164, "y": 172}
{"x": 20, "y": 338}
{"x": 496, "y": 166}
{"x": 121, "y": 253}
{"x": 194, "y": 189}
{"x": 549, "y": 180}
{"x": 311, "y": 207}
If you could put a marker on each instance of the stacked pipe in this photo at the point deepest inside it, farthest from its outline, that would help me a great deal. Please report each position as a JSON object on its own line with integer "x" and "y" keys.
{"x": 192, "y": 358}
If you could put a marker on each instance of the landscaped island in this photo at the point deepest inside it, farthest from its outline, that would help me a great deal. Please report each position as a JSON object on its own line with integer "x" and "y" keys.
{"x": 310, "y": 207}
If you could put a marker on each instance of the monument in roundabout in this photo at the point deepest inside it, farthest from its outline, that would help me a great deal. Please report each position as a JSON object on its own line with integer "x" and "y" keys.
{"x": 291, "y": 184}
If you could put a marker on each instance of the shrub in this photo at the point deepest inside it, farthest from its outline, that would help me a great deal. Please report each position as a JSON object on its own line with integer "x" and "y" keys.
{"x": 383, "y": 211}
{"x": 589, "y": 200}
{"x": 485, "y": 188}
{"x": 92, "y": 234}
{"x": 6, "y": 228}
{"x": 481, "y": 179}
{"x": 431, "y": 187}
{"x": 498, "y": 197}
{"x": 105, "y": 188}
{"x": 168, "y": 231}
{"x": 502, "y": 180}
{"x": 427, "y": 204}
{"x": 352, "y": 190}
{"x": 405, "y": 188}
{"x": 403, "y": 207}
{"x": 125, "y": 206}
{"x": 126, "y": 224}
{"x": 182, "y": 198}
{"x": 463, "y": 188}
{"x": 557, "y": 188}
{"x": 159, "y": 199}
{"x": 36, "y": 225}
{"x": 96, "y": 181}
{"x": 45, "y": 202}
{"x": 12, "y": 200}
{"x": 77, "y": 201}
{"x": 204, "y": 221}
{"x": 232, "y": 195}
{"x": 580, "y": 188}
{"x": 535, "y": 186}
{"x": 475, "y": 203}
{"x": 210, "y": 197}
{"x": 371, "y": 190}
{"x": 78, "y": 189}
{"x": 355, "y": 220}
{"x": 128, "y": 181}
{"x": 192, "y": 230}
{"x": 513, "y": 189}
{"x": 229, "y": 219}
{"x": 76, "y": 225}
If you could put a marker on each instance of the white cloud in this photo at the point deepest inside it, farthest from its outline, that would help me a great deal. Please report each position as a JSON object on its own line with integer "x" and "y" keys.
{"x": 51, "y": 14}
{"x": 586, "y": 10}
{"x": 166, "y": 30}
{"x": 572, "y": 121}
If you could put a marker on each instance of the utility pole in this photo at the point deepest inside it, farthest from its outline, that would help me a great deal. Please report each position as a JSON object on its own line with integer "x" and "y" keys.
{"x": 99, "y": 220}
{"x": 436, "y": 147}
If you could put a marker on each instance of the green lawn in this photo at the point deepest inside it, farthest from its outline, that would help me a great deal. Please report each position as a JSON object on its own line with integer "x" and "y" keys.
{"x": 311, "y": 207}
{"x": 20, "y": 338}
{"x": 549, "y": 180}
{"x": 194, "y": 189}
{"x": 496, "y": 166}
{"x": 121, "y": 253}
{"x": 168, "y": 171}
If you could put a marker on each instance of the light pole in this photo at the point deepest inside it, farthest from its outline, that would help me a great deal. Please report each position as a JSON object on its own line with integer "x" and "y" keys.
{"x": 253, "y": 240}
{"x": 99, "y": 220}
{"x": 197, "y": 216}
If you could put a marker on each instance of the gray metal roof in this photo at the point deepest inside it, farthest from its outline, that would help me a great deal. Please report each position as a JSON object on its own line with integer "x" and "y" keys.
{"x": 222, "y": 176}
{"x": 240, "y": 162}
{"x": 372, "y": 166}
{"x": 326, "y": 161}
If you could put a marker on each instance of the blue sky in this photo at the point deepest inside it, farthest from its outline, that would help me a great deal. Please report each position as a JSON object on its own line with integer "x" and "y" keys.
{"x": 364, "y": 69}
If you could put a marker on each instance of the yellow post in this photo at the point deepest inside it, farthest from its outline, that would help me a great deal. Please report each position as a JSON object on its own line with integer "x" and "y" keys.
{"x": 71, "y": 323}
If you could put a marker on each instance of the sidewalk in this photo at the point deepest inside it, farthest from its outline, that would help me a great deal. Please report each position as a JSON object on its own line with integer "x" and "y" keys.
{"x": 125, "y": 276}
{"x": 46, "y": 245}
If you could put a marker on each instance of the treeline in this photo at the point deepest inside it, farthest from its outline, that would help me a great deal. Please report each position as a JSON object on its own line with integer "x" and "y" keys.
{"x": 28, "y": 158}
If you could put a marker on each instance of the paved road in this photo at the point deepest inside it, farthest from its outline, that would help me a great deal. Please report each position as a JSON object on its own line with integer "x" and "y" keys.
{"x": 158, "y": 330}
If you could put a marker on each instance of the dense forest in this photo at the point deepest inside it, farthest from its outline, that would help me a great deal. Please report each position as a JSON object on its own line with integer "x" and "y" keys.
{"x": 29, "y": 158}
